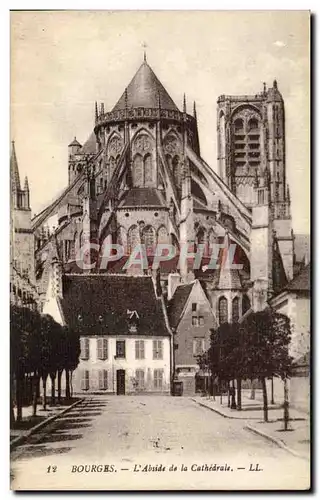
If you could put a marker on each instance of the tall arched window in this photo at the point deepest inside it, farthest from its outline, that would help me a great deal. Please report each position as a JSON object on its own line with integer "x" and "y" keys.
{"x": 148, "y": 173}
{"x": 245, "y": 304}
{"x": 137, "y": 171}
{"x": 162, "y": 235}
{"x": 169, "y": 161}
{"x": 149, "y": 239}
{"x": 235, "y": 310}
{"x": 176, "y": 170}
{"x": 223, "y": 310}
{"x": 201, "y": 236}
{"x": 238, "y": 125}
{"x": 112, "y": 163}
{"x": 253, "y": 125}
{"x": 133, "y": 238}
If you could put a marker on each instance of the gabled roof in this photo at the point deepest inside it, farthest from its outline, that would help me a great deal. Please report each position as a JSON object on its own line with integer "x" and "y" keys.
{"x": 142, "y": 197}
{"x": 177, "y": 303}
{"x": 99, "y": 304}
{"x": 144, "y": 91}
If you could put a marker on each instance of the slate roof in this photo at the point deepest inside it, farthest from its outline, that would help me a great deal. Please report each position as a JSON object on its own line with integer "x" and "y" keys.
{"x": 99, "y": 304}
{"x": 142, "y": 197}
{"x": 301, "y": 282}
{"x": 89, "y": 146}
{"x": 144, "y": 90}
{"x": 177, "y": 303}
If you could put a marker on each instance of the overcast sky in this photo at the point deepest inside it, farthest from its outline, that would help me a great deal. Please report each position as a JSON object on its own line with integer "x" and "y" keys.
{"x": 61, "y": 62}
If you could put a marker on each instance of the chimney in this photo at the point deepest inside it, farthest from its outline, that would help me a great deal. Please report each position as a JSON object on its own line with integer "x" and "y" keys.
{"x": 174, "y": 280}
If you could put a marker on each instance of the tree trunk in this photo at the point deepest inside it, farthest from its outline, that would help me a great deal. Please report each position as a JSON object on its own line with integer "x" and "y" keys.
{"x": 228, "y": 393}
{"x": 67, "y": 384}
{"x": 59, "y": 385}
{"x": 44, "y": 396}
{"x": 253, "y": 390}
{"x": 19, "y": 381}
{"x": 12, "y": 418}
{"x": 71, "y": 384}
{"x": 233, "y": 399}
{"x": 35, "y": 385}
{"x": 53, "y": 388}
{"x": 239, "y": 406}
{"x": 272, "y": 392}
{"x": 265, "y": 399}
{"x": 286, "y": 405}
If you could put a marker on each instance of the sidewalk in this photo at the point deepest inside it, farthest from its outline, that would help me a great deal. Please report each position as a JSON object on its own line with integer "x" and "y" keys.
{"x": 24, "y": 428}
{"x": 296, "y": 440}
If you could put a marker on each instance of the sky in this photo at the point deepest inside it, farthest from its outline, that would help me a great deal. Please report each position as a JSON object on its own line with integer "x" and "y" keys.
{"x": 62, "y": 62}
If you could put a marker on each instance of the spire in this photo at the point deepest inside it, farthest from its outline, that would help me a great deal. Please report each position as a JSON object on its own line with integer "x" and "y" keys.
{"x": 275, "y": 84}
{"x": 96, "y": 111}
{"x": 14, "y": 169}
{"x": 126, "y": 98}
{"x": 194, "y": 110}
{"x": 264, "y": 88}
{"x": 26, "y": 184}
{"x": 184, "y": 103}
{"x": 144, "y": 45}
{"x": 102, "y": 108}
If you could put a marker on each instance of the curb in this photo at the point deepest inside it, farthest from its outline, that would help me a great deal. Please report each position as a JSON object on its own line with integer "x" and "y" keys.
{"x": 221, "y": 413}
{"x": 20, "y": 439}
{"x": 275, "y": 441}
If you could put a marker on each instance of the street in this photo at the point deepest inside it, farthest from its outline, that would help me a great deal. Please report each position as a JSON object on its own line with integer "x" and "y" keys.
{"x": 131, "y": 433}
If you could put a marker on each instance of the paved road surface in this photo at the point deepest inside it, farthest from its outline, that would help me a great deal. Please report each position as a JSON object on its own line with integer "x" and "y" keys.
{"x": 133, "y": 432}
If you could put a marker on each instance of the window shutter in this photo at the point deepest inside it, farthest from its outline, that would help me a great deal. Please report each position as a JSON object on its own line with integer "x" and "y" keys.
{"x": 105, "y": 348}
{"x": 99, "y": 350}
{"x": 85, "y": 380}
{"x": 100, "y": 378}
{"x": 105, "y": 379}
{"x": 84, "y": 344}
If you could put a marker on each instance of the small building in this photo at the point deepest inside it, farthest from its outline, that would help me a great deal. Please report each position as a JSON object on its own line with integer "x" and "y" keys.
{"x": 191, "y": 319}
{"x": 124, "y": 332}
{"x": 294, "y": 302}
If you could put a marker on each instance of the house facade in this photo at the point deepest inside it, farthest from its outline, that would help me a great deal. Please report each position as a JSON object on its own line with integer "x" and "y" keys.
{"x": 125, "y": 338}
{"x": 191, "y": 318}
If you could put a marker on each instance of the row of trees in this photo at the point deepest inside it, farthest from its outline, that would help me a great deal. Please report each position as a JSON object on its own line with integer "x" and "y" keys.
{"x": 257, "y": 348}
{"x": 39, "y": 348}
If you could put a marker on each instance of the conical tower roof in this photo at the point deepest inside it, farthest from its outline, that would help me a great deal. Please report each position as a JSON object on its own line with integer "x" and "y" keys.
{"x": 14, "y": 169}
{"x": 144, "y": 91}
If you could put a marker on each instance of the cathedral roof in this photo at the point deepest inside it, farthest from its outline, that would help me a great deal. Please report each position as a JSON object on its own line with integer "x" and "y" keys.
{"x": 14, "y": 169}
{"x": 101, "y": 303}
{"x": 142, "y": 197}
{"x": 144, "y": 91}
{"x": 90, "y": 145}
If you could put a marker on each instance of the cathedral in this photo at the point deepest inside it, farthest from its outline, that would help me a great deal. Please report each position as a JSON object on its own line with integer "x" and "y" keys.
{"x": 140, "y": 179}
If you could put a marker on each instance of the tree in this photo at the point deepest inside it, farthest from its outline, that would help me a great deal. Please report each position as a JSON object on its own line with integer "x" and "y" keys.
{"x": 266, "y": 336}
{"x": 71, "y": 356}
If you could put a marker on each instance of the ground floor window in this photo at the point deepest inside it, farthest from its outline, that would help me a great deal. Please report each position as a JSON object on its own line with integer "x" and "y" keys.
{"x": 85, "y": 380}
{"x": 140, "y": 380}
{"x": 158, "y": 379}
{"x": 103, "y": 379}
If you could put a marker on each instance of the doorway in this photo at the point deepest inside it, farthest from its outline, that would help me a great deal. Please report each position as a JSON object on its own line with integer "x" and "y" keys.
{"x": 121, "y": 382}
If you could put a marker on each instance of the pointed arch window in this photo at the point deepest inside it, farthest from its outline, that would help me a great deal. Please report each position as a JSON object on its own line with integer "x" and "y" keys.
{"x": 176, "y": 170}
{"x": 162, "y": 235}
{"x": 137, "y": 171}
{"x": 148, "y": 171}
{"x": 149, "y": 239}
{"x": 235, "y": 310}
{"x": 112, "y": 163}
{"x": 238, "y": 126}
{"x": 223, "y": 310}
{"x": 133, "y": 238}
